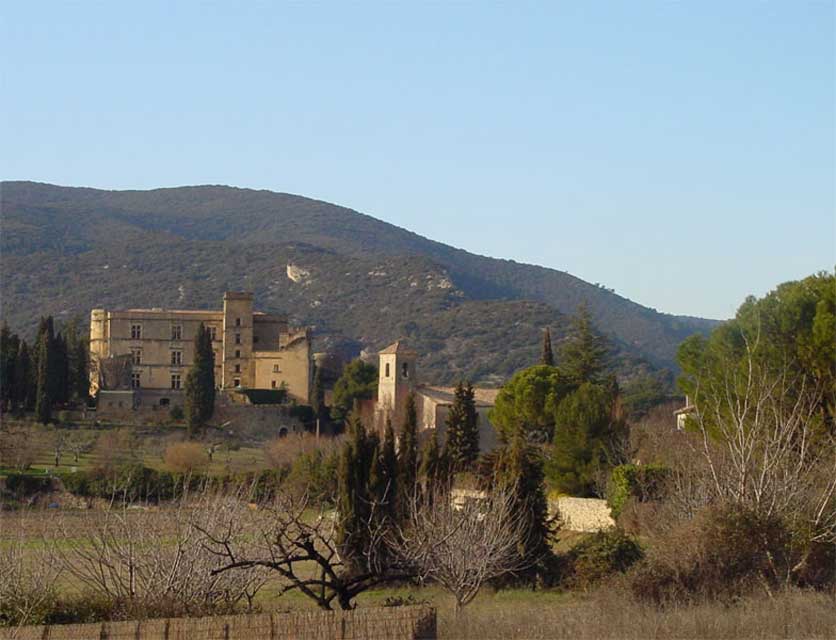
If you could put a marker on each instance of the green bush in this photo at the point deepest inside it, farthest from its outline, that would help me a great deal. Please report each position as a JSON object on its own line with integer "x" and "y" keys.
{"x": 24, "y": 485}
{"x": 176, "y": 413}
{"x": 643, "y": 482}
{"x": 600, "y": 556}
{"x": 315, "y": 474}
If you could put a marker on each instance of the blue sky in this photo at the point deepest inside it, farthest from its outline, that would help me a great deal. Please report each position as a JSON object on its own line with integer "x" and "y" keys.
{"x": 682, "y": 154}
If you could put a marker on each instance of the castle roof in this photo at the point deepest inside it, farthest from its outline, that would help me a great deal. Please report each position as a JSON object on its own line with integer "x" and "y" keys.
{"x": 399, "y": 347}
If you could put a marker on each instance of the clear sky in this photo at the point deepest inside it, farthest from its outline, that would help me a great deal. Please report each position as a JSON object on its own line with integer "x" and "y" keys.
{"x": 682, "y": 154}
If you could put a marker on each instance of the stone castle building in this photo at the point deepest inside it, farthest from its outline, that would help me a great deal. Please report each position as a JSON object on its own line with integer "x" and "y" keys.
{"x": 398, "y": 377}
{"x": 152, "y": 350}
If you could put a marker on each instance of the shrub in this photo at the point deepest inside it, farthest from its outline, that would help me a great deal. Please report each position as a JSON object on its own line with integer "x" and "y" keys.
{"x": 600, "y": 556}
{"x": 643, "y": 482}
{"x": 723, "y": 553}
{"x": 24, "y": 485}
{"x": 186, "y": 457}
{"x": 176, "y": 413}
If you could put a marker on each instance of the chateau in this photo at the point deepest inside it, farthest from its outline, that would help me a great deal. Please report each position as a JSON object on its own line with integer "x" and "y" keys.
{"x": 253, "y": 350}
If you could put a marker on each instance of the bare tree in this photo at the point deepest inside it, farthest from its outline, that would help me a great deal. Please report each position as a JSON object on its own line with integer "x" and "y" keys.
{"x": 153, "y": 562}
{"x": 27, "y": 584}
{"x": 461, "y": 546}
{"x": 78, "y": 444}
{"x": 284, "y": 536}
{"x": 764, "y": 446}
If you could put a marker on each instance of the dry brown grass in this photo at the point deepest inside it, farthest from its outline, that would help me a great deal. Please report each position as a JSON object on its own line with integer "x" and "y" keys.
{"x": 793, "y": 614}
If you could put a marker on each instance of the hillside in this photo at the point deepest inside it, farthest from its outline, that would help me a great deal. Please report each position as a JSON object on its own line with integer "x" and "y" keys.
{"x": 360, "y": 281}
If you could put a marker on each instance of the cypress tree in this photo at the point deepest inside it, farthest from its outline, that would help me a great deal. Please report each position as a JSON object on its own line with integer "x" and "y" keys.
{"x": 431, "y": 469}
{"x": 547, "y": 356}
{"x": 318, "y": 394}
{"x": 583, "y": 357}
{"x": 43, "y": 398}
{"x": 23, "y": 384}
{"x": 408, "y": 456}
{"x": 462, "y": 447}
{"x": 200, "y": 381}
{"x": 354, "y": 500}
{"x": 389, "y": 463}
{"x": 9, "y": 345}
{"x": 61, "y": 370}
{"x": 81, "y": 371}
{"x": 520, "y": 470}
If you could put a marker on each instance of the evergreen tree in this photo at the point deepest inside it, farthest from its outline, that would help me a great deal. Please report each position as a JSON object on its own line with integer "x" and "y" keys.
{"x": 431, "y": 472}
{"x": 43, "y": 397}
{"x": 200, "y": 381}
{"x": 587, "y": 424}
{"x": 357, "y": 382}
{"x": 520, "y": 470}
{"x": 547, "y": 357}
{"x": 9, "y": 345}
{"x": 462, "y": 447}
{"x": 61, "y": 370}
{"x": 583, "y": 357}
{"x": 408, "y": 456}
{"x": 354, "y": 500}
{"x": 81, "y": 371}
{"x": 24, "y": 383}
{"x": 318, "y": 395}
{"x": 389, "y": 463}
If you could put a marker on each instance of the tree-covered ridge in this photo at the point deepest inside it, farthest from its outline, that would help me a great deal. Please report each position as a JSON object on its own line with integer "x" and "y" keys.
{"x": 67, "y": 250}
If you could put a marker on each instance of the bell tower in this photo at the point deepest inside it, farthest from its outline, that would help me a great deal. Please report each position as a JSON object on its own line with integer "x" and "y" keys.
{"x": 397, "y": 378}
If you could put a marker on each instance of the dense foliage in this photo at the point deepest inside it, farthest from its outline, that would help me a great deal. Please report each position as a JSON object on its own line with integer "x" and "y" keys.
{"x": 200, "y": 381}
{"x": 357, "y": 382}
{"x": 462, "y": 423}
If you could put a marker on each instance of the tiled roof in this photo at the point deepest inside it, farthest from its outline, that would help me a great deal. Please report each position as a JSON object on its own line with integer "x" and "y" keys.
{"x": 445, "y": 395}
{"x": 399, "y": 346}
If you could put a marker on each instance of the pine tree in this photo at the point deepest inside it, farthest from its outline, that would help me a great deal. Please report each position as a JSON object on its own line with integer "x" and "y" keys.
{"x": 408, "y": 456}
{"x": 462, "y": 448}
{"x": 583, "y": 357}
{"x": 547, "y": 356}
{"x": 43, "y": 397}
{"x": 200, "y": 381}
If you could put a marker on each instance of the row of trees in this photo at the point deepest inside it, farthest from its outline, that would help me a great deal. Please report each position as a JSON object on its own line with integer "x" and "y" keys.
{"x": 51, "y": 372}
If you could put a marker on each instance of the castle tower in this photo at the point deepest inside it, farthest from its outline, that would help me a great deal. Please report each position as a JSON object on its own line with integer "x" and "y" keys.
{"x": 237, "y": 369}
{"x": 397, "y": 378}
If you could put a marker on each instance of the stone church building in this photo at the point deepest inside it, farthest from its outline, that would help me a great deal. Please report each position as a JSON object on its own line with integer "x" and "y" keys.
{"x": 398, "y": 377}
{"x": 151, "y": 351}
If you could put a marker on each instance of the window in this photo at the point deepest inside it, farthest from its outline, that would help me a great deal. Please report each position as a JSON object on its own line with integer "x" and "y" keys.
{"x": 177, "y": 358}
{"x": 175, "y": 380}
{"x": 237, "y": 322}
{"x": 237, "y": 368}
{"x": 405, "y": 369}
{"x": 387, "y": 369}
{"x": 135, "y": 380}
{"x": 164, "y": 402}
{"x": 276, "y": 369}
{"x": 237, "y": 338}
{"x": 273, "y": 384}
{"x": 136, "y": 331}
{"x": 136, "y": 356}
{"x": 213, "y": 331}
{"x": 236, "y": 382}
{"x": 238, "y": 353}
{"x": 176, "y": 332}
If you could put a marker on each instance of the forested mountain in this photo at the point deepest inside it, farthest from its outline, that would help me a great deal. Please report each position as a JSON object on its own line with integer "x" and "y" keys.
{"x": 360, "y": 281}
